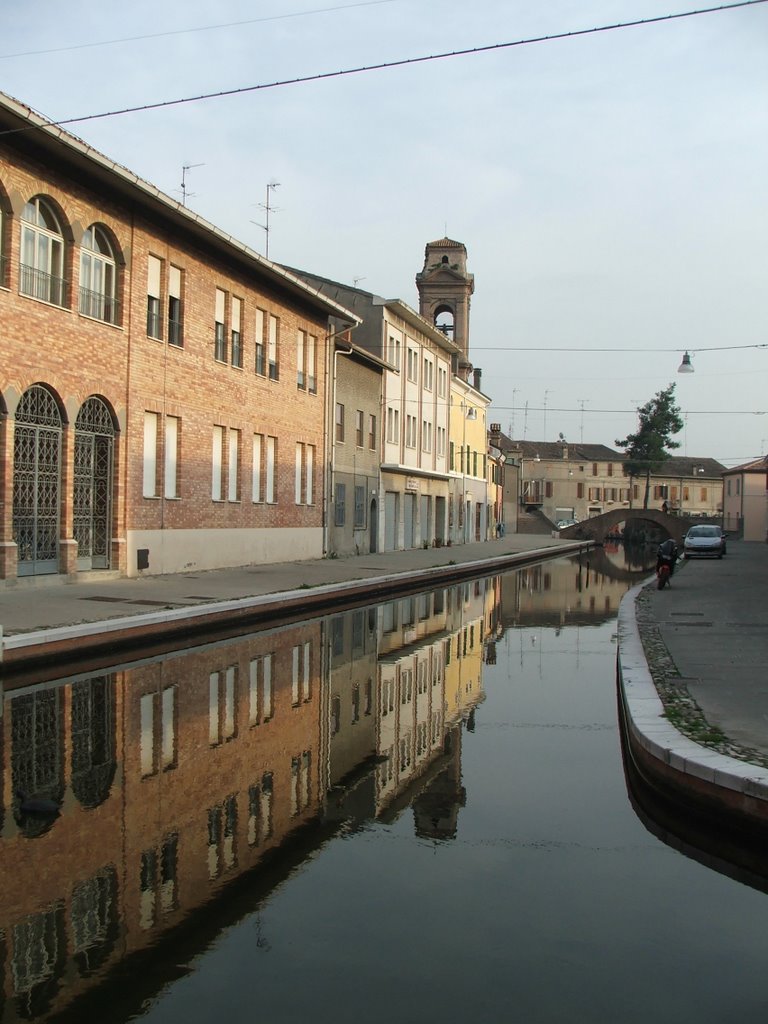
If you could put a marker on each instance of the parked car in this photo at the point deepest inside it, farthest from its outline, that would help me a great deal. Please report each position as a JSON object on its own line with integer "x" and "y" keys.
{"x": 704, "y": 541}
{"x": 563, "y": 524}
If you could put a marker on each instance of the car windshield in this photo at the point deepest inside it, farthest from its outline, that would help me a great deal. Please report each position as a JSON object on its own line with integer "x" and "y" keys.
{"x": 704, "y": 531}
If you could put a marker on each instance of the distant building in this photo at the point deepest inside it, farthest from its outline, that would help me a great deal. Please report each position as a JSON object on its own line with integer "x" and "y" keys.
{"x": 560, "y": 481}
{"x": 745, "y": 499}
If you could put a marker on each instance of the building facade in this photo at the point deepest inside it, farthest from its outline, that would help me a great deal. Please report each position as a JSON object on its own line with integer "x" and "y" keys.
{"x": 163, "y": 389}
{"x": 745, "y": 500}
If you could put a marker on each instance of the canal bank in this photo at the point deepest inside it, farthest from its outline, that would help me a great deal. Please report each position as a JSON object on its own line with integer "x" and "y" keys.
{"x": 695, "y": 656}
{"x": 48, "y": 623}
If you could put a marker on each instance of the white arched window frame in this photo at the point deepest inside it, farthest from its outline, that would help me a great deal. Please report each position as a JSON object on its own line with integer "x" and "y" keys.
{"x": 41, "y": 269}
{"x": 98, "y": 276}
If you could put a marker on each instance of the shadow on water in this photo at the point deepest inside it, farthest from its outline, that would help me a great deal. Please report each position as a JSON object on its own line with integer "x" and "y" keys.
{"x": 717, "y": 843}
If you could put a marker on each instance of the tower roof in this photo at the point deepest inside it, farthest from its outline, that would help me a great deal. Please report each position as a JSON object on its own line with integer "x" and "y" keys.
{"x": 445, "y": 243}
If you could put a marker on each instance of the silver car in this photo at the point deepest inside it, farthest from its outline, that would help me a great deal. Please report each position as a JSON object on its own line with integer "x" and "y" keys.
{"x": 704, "y": 541}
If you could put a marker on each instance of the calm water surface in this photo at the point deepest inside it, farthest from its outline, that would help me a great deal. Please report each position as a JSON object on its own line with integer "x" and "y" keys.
{"x": 417, "y": 810}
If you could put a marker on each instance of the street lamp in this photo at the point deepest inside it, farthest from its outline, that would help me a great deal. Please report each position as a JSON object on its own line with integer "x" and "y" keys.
{"x": 685, "y": 366}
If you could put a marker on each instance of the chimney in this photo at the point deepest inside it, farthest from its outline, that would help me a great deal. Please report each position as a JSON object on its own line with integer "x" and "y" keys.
{"x": 478, "y": 376}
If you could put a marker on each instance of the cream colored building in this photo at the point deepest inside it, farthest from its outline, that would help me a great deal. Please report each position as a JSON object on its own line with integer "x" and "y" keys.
{"x": 745, "y": 499}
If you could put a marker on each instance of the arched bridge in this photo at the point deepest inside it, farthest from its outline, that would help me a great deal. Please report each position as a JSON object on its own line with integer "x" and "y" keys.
{"x": 599, "y": 527}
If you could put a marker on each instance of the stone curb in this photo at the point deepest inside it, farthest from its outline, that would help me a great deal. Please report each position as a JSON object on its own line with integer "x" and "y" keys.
{"x": 659, "y": 747}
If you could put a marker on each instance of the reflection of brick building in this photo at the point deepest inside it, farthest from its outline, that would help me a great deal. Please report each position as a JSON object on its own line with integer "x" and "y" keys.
{"x": 181, "y": 774}
{"x": 163, "y": 392}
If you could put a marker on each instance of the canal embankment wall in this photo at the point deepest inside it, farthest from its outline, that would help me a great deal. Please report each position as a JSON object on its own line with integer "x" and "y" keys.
{"x": 702, "y": 780}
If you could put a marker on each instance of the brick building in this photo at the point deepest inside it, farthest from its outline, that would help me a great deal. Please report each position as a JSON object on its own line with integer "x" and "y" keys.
{"x": 164, "y": 395}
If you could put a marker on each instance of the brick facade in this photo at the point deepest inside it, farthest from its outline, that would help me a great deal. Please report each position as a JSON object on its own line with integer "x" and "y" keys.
{"x": 189, "y": 411}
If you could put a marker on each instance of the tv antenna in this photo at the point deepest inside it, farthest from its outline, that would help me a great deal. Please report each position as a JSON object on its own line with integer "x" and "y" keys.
{"x": 184, "y": 193}
{"x": 268, "y": 208}
{"x": 582, "y": 403}
{"x": 356, "y": 281}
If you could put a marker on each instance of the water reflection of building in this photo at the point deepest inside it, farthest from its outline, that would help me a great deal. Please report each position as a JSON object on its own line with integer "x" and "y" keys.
{"x": 559, "y": 593}
{"x": 177, "y": 778}
{"x": 170, "y": 779}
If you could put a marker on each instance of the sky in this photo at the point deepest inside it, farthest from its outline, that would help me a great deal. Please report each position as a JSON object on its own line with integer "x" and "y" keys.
{"x": 610, "y": 188}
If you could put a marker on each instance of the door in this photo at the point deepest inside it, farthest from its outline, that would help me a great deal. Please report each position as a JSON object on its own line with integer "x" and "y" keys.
{"x": 92, "y": 499}
{"x": 374, "y": 528}
{"x": 37, "y": 482}
{"x": 391, "y": 515}
{"x": 409, "y": 521}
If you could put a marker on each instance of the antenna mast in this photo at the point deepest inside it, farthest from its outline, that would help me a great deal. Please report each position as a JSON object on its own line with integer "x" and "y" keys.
{"x": 268, "y": 208}
{"x": 184, "y": 193}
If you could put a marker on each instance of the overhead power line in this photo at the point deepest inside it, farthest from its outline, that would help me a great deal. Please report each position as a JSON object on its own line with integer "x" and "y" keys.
{"x": 405, "y": 62}
{"x": 189, "y": 31}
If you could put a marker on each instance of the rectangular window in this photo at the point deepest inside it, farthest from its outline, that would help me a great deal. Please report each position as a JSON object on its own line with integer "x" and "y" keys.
{"x": 359, "y": 428}
{"x": 301, "y": 380}
{"x": 442, "y": 381}
{"x": 372, "y": 432}
{"x": 311, "y": 363}
{"x": 237, "y": 344}
{"x": 175, "y": 308}
{"x": 271, "y": 468}
{"x": 339, "y": 422}
{"x": 340, "y": 508}
{"x": 548, "y": 489}
{"x": 149, "y": 484}
{"x": 273, "y": 354}
{"x": 258, "y": 447}
{"x": 154, "y": 317}
{"x": 580, "y": 490}
{"x": 309, "y": 474}
{"x": 359, "y": 507}
{"x": 260, "y": 365}
{"x": 233, "y": 466}
{"x": 703, "y": 494}
{"x": 610, "y": 469}
{"x": 393, "y": 426}
{"x": 413, "y": 364}
{"x": 172, "y": 439}
{"x": 298, "y": 482}
{"x": 594, "y": 469}
{"x": 429, "y": 369}
{"x": 220, "y": 338}
{"x": 217, "y": 464}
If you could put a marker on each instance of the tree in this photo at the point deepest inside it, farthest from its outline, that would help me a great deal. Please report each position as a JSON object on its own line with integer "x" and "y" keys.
{"x": 648, "y": 449}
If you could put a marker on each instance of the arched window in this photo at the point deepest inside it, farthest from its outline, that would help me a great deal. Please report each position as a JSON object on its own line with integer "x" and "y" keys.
{"x": 98, "y": 276}
{"x": 42, "y": 253}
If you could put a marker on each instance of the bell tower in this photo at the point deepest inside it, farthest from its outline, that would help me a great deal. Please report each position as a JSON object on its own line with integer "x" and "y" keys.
{"x": 445, "y": 289}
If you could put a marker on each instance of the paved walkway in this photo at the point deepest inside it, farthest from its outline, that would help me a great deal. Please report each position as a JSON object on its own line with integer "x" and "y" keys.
{"x": 46, "y": 602}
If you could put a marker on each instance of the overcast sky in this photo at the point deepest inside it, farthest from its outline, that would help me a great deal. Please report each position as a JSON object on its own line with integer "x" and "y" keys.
{"x": 610, "y": 188}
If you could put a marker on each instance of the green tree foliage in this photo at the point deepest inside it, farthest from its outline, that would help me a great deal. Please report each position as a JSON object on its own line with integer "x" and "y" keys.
{"x": 648, "y": 448}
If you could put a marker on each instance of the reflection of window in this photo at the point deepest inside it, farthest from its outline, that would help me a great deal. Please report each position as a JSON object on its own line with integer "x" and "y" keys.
{"x": 42, "y": 253}
{"x": 98, "y": 276}
{"x": 300, "y": 782}
{"x": 301, "y": 690}
{"x": 260, "y": 690}
{"x": 158, "y": 744}
{"x": 260, "y": 810}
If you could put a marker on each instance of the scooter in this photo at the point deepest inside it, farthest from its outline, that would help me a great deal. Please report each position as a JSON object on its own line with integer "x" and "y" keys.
{"x": 663, "y": 574}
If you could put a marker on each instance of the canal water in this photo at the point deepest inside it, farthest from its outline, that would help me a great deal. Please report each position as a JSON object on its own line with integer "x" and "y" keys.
{"x": 416, "y": 810}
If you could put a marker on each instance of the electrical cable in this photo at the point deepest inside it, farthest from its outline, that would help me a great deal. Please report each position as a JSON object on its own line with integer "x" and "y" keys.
{"x": 388, "y": 65}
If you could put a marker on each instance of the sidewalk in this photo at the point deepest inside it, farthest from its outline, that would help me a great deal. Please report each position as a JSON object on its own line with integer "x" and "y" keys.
{"x": 708, "y": 638}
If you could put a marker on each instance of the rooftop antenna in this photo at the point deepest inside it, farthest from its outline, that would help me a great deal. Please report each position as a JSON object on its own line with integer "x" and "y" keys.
{"x": 546, "y": 394}
{"x": 356, "y": 281}
{"x": 525, "y": 422}
{"x": 582, "y": 403}
{"x": 268, "y": 208}
{"x": 512, "y": 422}
{"x": 184, "y": 193}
